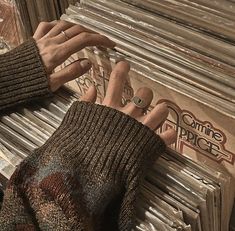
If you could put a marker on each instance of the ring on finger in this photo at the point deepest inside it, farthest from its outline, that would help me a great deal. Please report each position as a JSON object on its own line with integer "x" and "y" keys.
{"x": 65, "y": 35}
{"x": 138, "y": 102}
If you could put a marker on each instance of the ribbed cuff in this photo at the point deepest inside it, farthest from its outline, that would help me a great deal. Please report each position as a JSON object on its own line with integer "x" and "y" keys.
{"x": 22, "y": 76}
{"x": 108, "y": 152}
{"x": 105, "y": 141}
{"x": 96, "y": 156}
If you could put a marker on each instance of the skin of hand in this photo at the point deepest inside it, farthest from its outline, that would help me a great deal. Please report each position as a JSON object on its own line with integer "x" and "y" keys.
{"x": 56, "y": 47}
{"x": 113, "y": 99}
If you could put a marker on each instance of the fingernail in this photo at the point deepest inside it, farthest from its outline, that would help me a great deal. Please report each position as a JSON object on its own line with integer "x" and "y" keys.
{"x": 85, "y": 64}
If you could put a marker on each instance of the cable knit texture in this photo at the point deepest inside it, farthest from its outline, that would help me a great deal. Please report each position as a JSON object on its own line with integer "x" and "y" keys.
{"x": 22, "y": 76}
{"x": 86, "y": 176}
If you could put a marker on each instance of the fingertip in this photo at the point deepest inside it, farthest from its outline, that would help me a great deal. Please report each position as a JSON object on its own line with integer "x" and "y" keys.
{"x": 146, "y": 91}
{"x": 169, "y": 136}
{"x": 54, "y": 22}
{"x": 123, "y": 65}
{"x": 85, "y": 64}
{"x": 162, "y": 105}
{"x": 106, "y": 42}
{"x": 164, "y": 108}
{"x": 90, "y": 95}
{"x": 92, "y": 90}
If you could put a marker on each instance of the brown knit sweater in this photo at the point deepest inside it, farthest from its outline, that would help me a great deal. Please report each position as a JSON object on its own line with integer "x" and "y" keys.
{"x": 22, "y": 76}
{"x": 87, "y": 175}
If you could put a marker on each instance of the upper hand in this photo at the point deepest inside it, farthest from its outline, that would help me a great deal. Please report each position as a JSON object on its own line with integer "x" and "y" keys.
{"x": 55, "y": 47}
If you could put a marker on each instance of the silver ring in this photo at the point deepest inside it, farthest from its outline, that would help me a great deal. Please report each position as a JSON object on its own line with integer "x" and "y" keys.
{"x": 139, "y": 102}
{"x": 65, "y": 35}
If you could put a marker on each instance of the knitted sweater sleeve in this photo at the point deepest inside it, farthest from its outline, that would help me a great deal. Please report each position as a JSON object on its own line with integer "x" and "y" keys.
{"x": 22, "y": 76}
{"x": 85, "y": 177}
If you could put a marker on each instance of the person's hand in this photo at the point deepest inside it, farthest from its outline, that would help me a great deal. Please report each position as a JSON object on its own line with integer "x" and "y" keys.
{"x": 113, "y": 99}
{"x": 116, "y": 142}
{"x": 57, "y": 41}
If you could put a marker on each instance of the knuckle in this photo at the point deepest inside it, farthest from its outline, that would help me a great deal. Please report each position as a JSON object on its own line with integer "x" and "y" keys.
{"x": 63, "y": 23}
{"x": 44, "y": 24}
{"x": 52, "y": 55}
{"x": 43, "y": 28}
{"x": 44, "y": 44}
{"x": 85, "y": 36}
{"x": 57, "y": 54}
{"x": 79, "y": 28}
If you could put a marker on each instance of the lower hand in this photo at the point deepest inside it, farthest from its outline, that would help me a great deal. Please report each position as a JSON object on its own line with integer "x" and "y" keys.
{"x": 113, "y": 99}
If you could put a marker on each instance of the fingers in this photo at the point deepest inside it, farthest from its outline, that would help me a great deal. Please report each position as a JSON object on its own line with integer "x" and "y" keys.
{"x": 55, "y": 47}
{"x": 90, "y": 95}
{"x": 60, "y": 26}
{"x": 156, "y": 117}
{"x": 72, "y": 71}
{"x": 70, "y": 33}
{"x": 145, "y": 95}
{"x": 116, "y": 84}
{"x": 83, "y": 40}
{"x": 169, "y": 136}
{"x": 43, "y": 28}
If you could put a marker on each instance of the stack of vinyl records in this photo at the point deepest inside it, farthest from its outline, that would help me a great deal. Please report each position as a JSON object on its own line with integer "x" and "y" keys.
{"x": 33, "y": 12}
{"x": 183, "y": 50}
{"x": 24, "y": 129}
{"x": 9, "y": 18}
{"x": 177, "y": 194}
{"x": 195, "y": 61}
{"x": 23, "y": 17}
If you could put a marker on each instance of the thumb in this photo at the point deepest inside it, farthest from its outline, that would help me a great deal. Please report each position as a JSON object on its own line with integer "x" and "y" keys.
{"x": 70, "y": 72}
{"x": 90, "y": 95}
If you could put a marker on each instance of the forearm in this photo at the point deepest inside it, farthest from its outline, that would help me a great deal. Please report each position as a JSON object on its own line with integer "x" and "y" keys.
{"x": 37, "y": 200}
{"x": 97, "y": 155}
{"x": 22, "y": 76}
{"x": 15, "y": 214}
